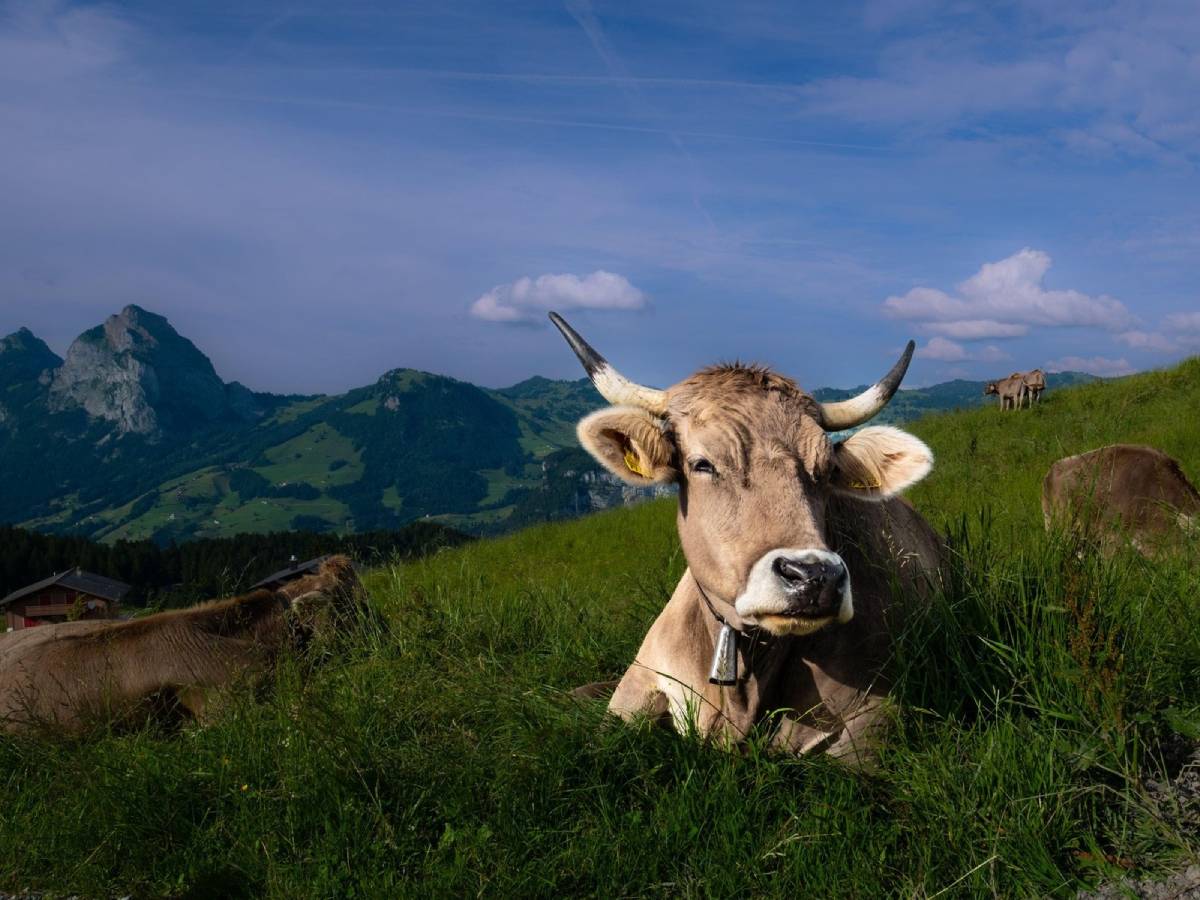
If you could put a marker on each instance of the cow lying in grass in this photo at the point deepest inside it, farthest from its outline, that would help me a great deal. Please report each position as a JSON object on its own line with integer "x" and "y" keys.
{"x": 1123, "y": 493}
{"x": 795, "y": 545}
{"x": 166, "y": 666}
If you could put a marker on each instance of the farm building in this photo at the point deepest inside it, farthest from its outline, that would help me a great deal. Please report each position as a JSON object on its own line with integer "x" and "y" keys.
{"x": 73, "y": 594}
{"x": 276, "y": 580}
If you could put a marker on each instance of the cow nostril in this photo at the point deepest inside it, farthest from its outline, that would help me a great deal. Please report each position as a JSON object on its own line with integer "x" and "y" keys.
{"x": 799, "y": 573}
{"x": 805, "y": 576}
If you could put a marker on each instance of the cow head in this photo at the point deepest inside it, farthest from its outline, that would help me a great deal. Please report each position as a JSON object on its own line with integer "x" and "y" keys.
{"x": 991, "y": 387}
{"x": 751, "y": 454}
{"x": 328, "y": 603}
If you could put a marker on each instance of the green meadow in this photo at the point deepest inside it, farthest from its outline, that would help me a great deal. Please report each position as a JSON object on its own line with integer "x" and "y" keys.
{"x": 442, "y": 756}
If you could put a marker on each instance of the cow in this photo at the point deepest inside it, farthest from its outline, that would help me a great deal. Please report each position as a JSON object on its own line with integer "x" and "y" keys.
{"x": 794, "y": 543}
{"x": 1010, "y": 390}
{"x": 1035, "y": 383}
{"x": 1121, "y": 493}
{"x": 169, "y": 666}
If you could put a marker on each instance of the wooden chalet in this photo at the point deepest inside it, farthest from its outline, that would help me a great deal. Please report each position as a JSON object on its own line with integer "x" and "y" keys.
{"x": 276, "y": 580}
{"x": 73, "y": 594}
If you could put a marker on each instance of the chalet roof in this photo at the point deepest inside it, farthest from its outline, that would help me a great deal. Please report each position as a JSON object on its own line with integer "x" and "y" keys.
{"x": 75, "y": 580}
{"x": 304, "y": 568}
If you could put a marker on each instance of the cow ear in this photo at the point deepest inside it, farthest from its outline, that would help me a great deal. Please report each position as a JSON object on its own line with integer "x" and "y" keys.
{"x": 880, "y": 462}
{"x": 310, "y": 606}
{"x": 630, "y": 443}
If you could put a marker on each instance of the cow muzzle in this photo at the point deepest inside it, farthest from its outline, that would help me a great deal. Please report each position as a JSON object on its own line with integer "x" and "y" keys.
{"x": 797, "y": 591}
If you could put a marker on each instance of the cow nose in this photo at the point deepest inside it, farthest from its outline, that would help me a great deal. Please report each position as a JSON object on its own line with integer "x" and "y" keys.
{"x": 811, "y": 582}
{"x": 798, "y": 572}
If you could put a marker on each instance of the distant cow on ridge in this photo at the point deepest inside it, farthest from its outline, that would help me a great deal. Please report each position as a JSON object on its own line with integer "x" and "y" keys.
{"x": 1121, "y": 492}
{"x": 1010, "y": 390}
{"x": 1035, "y": 383}
{"x": 165, "y": 666}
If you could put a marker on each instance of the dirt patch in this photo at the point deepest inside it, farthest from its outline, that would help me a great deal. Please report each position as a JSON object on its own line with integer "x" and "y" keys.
{"x": 1174, "y": 793}
{"x": 1183, "y": 885}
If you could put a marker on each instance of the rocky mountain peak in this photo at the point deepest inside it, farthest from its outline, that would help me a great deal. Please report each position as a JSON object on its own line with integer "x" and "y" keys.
{"x": 24, "y": 356}
{"x": 139, "y": 373}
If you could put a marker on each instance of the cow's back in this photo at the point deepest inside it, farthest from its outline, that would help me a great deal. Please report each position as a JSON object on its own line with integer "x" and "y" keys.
{"x": 44, "y": 677}
{"x": 1128, "y": 487}
{"x": 65, "y": 676}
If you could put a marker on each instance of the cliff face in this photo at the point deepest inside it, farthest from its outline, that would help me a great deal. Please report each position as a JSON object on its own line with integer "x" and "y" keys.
{"x": 26, "y": 364}
{"x": 138, "y": 373}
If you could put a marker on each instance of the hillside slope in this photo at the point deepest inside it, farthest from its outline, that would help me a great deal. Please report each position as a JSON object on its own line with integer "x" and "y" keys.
{"x": 1040, "y": 699}
{"x": 988, "y": 459}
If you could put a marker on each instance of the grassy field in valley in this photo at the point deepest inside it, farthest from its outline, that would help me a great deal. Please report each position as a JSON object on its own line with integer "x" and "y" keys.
{"x": 443, "y": 757}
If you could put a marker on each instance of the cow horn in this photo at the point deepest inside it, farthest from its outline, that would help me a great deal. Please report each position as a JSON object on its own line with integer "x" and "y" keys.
{"x": 612, "y": 385}
{"x": 856, "y": 410}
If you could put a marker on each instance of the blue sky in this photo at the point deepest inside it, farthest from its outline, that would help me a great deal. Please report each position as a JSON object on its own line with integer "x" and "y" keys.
{"x": 316, "y": 193}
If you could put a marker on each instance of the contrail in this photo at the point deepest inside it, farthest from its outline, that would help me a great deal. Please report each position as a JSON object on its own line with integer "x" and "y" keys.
{"x": 470, "y": 115}
{"x": 581, "y": 11}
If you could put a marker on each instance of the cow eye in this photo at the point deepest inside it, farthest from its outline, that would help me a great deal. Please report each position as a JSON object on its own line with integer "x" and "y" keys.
{"x": 702, "y": 466}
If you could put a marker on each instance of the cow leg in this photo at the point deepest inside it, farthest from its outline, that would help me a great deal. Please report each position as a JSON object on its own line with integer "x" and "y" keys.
{"x": 858, "y": 743}
{"x": 597, "y": 690}
{"x": 637, "y": 694}
{"x": 193, "y": 700}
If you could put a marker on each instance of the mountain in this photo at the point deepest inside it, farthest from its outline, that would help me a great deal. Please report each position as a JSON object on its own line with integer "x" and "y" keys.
{"x": 24, "y": 359}
{"x": 140, "y": 374}
{"x": 24, "y": 356}
{"x": 134, "y": 435}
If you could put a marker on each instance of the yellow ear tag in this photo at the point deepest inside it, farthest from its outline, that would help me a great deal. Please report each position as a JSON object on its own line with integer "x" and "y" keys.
{"x": 864, "y": 485}
{"x": 634, "y": 464}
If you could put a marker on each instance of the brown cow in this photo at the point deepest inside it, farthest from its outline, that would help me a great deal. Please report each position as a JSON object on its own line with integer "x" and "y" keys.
{"x": 165, "y": 666}
{"x": 1010, "y": 390}
{"x": 1124, "y": 492}
{"x": 1035, "y": 383}
{"x": 776, "y": 521}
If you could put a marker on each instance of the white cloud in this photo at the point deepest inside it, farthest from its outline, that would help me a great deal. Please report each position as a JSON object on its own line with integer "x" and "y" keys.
{"x": 1189, "y": 322}
{"x": 1095, "y": 365}
{"x": 51, "y": 41}
{"x": 1004, "y": 296}
{"x": 977, "y": 329}
{"x": 1180, "y": 334}
{"x": 528, "y": 299}
{"x": 940, "y": 348}
{"x": 944, "y": 350}
{"x": 1125, "y": 71}
{"x": 1148, "y": 340}
{"x": 992, "y": 353}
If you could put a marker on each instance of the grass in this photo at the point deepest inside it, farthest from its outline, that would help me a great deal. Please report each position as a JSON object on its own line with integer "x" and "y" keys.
{"x": 443, "y": 757}
{"x": 307, "y": 458}
{"x": 988, "y": 459}
{"x": 204, "y": 501}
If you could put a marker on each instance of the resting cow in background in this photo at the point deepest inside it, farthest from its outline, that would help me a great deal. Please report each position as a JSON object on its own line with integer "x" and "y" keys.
{"x": 794, "y": 544}
{"x": 1035, "y": 383}
{"x": 1125, "y": 492}
{"x": 1010, "y": 390}
{"x": 69, "y": 676}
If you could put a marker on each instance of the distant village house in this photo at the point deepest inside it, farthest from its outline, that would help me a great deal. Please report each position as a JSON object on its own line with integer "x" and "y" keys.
{"x": 73, "y": 594}
{"x": 276, "y": 580}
